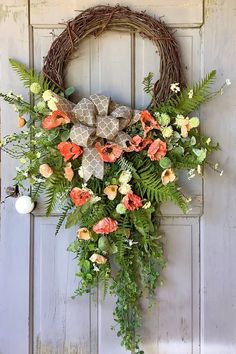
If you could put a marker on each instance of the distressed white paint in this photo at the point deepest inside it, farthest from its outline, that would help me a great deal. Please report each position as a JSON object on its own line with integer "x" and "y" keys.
{"x": 176, "y": 12}
{"x": 81, "y": 326}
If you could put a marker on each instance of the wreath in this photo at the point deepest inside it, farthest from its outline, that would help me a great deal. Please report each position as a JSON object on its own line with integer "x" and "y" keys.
{"x": 108, "y": 167}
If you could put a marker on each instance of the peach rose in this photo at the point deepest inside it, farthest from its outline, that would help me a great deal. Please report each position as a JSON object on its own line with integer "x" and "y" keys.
{"x": 21, "y": 122}
{"x": 157, "y": 150}
{"x": 84, "y": 234}
{"x": 132, "y": 202}
{"x": 167, "y": 176}
{"x": 68, "y": 172}
{"x": 111, "y": 191}
{"x": 45, "y": 170}
{"x": 97, "y": 258}
{"x": 105, "y": 226}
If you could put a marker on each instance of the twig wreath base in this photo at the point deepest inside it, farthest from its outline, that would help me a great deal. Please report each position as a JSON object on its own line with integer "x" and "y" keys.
{"x": 94, "y": 21}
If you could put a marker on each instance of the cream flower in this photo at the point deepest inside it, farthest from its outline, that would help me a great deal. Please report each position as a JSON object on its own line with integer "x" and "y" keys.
{"x": 228, "y": 82}
{"x": 125, "y": 177}
{"x": 97, "y": 258}
{"x": 167, "y": 132}
{"x": 81, "y": 172}
{"x": 84, "y": 234}
{"x": 125, "y": 189}
{"x": 52, "y": 105}
{"x": 47, "y": 95}
{"x": 167, "y": 176}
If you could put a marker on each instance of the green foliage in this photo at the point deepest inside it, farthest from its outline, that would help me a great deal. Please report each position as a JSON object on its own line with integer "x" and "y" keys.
{"x": 148, "y": 84}
{"x": 65, "y": 210}
{"x": 182, "y": 104}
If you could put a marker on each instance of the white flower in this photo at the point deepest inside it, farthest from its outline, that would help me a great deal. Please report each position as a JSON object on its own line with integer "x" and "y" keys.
{"x": 147, "y": 205}
{"x": 131, "y": 243}
{"x": 221, "y": 173}
{"x": 81, "y": 172}
{"x": 95, "y": 199}
{"x": 37, "y": 135}
{"x": 47, "y": 95}
{"x": 120, "y": 208}
{"x": 125, "y": 189}
{"x": 199, "y": 169}
{"x": 38, "y": 155}
{"x": 190, "y": 94}
{"x": 175, "y": 87}
{"x": 95, "y": 268}
{"x": 208, "y": 141}
{"x": 125, "y": 177}
{"x": 167, "y": 132}
{"x": 52, "y": 105}
{"x": 228, "y": 82}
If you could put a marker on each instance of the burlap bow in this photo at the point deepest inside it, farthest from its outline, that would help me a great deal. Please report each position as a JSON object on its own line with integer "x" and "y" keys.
{"x": 95, "y": 119}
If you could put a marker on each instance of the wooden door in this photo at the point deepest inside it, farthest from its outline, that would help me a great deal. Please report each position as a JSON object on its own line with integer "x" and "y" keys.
{"x": 195, "y": 310}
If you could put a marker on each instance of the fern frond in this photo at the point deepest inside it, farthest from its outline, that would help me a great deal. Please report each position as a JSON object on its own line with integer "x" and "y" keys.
{"x": 65, "y": 211}
{"x": 182, "y": 104}
{"x": 148, "y": 84}
{"x": 38, "y": 188}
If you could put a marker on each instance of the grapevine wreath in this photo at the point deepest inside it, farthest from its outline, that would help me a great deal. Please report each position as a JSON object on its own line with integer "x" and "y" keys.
{"x": 109, "y": 167}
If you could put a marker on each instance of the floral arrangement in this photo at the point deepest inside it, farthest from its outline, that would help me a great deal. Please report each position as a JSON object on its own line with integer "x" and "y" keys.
{"x": 118, "y": 240}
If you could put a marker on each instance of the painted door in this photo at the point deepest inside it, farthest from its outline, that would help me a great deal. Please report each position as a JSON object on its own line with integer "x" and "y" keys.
{"x": 196, "y": 306}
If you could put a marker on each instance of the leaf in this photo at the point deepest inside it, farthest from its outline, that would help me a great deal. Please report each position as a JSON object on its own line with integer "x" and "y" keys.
{"x": 165, "y": 162}
{"x": 69, "y": 91}
{"x": 73, "y": 218}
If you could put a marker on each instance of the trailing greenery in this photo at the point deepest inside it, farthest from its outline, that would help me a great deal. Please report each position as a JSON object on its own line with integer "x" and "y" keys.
{"x": 117, "y": 240}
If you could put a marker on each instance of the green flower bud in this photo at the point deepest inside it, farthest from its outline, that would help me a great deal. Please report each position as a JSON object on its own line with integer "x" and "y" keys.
{"x": 120, "y": 209}
{"x": 35, "y": 88}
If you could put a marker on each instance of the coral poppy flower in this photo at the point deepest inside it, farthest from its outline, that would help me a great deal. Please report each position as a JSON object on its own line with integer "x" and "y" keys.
{"x": 137, "y": 143}
{"x": 111, "y": 191}
{"x": 84, "y": 234}
{"x": 69, "y": 150}
{"x": 148, "y": 122}
{"x": 79, "y": 196}
{"x": 68, "y": 172}
{"x": 54, "y": 120}
{"x": 109, "y": 152}
{"x": 157, "y": 150}
{"x": 98, "y": 258}
{"x": 132, "y": 201}
{"x": 167, "y": 176}
{"x": 105, "y": 226}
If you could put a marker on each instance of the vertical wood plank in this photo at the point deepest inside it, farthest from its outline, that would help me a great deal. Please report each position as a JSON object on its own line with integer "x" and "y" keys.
{"x": 218, "y": 226}
{"x": 14, "y": 242}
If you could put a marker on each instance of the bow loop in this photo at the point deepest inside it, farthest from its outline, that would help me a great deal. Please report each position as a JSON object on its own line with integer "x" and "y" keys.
{"x": 95, "y": 119}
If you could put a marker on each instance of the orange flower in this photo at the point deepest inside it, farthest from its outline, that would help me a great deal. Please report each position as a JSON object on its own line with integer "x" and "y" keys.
{"x": 109, "y": 152}
{"x": 167, "y": 176}
{"x": 69, "y": 150}
{"x": 148, "y": 122}
{"x": 69, "y": 173}
{"x": 45, "y": 170}
{"x": 111, "y": 191}
{"x": 132, "y": 201}
{"x": 105, "y": 226}
{"x": 54, "y": 120}
{"x": 79, "y": 196}
{"x": 98, "y": 258}
{"x": 21, "y": 122}
{"x": 137, "y": 143}
{"x": 84, "y": 234}
{"x": 157, "y": 150}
